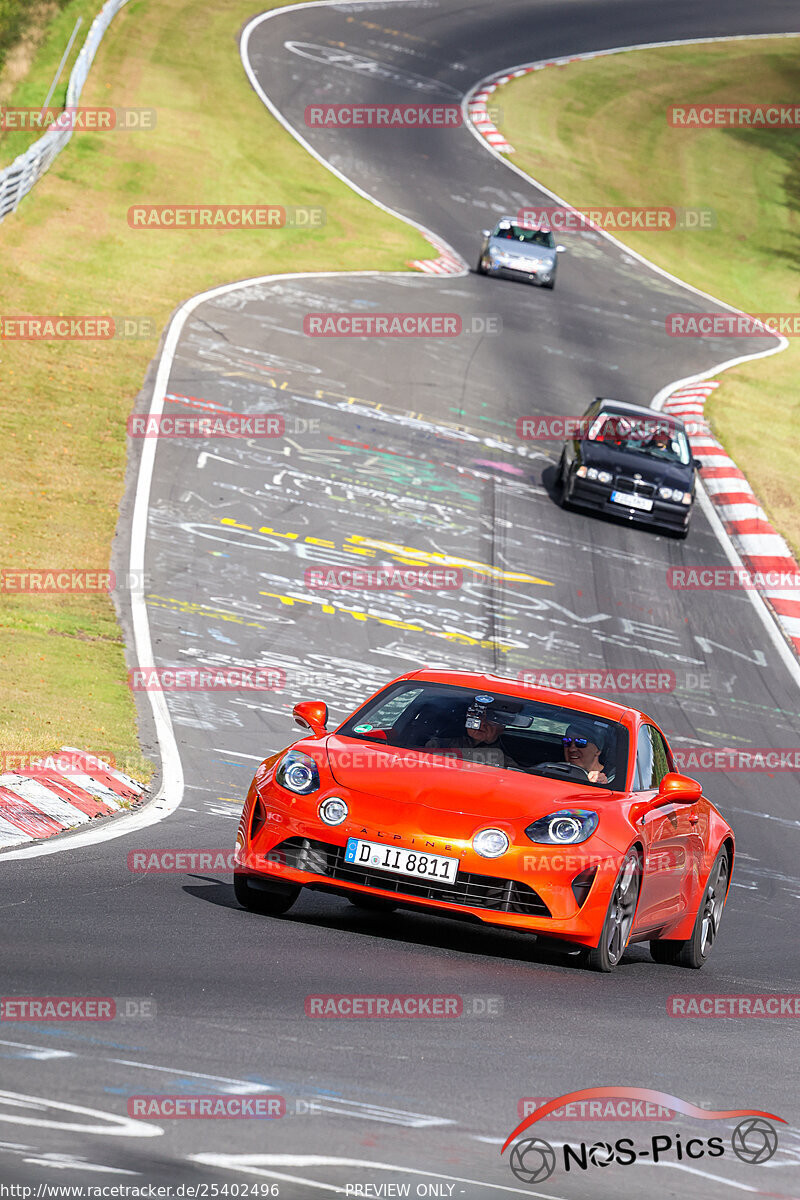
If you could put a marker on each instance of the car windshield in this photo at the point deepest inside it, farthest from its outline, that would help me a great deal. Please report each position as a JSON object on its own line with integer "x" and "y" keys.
{"x": 495, "y": 729}
{"x": 519, "y": 233}
{"x": 652, "y": 436}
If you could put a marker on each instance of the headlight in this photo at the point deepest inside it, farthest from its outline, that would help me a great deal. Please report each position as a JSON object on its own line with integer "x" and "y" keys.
{"x": 333, "y": 810}
{"x": 297, "y": 772}
{"x": 591, "y": 473}
{"x": 582, "y": 472}
{"x": 490, "y": 843}
{"x": 674, "y": 494}
{"x": 604, "y": 476}
{"x": 563, "y": 828}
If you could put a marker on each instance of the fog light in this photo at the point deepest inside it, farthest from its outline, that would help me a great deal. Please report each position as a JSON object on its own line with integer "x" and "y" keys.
{"x": 490, "y": 843}
{"x": 333, "y": 810}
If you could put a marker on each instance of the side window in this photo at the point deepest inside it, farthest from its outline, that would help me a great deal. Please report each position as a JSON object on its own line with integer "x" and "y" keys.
{"x": 643, "y": 777}
{"x": 653, "y": 759}
{"x": 662, "y": 759}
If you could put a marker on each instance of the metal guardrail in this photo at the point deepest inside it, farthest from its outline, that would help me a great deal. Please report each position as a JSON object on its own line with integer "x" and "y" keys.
{"x": 18, "y": 179}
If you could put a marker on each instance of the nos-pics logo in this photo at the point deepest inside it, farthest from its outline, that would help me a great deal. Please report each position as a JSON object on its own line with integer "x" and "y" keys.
{"x": 533, "y": 1160}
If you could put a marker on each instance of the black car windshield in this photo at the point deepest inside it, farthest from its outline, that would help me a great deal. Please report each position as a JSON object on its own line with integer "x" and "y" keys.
{"x": 494, "y": 729}
{"x": 652, "y": 436}
{"x": 519, "y": 233}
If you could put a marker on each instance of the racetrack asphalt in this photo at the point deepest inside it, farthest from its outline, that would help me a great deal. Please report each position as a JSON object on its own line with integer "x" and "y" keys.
{"x": 406, "y": 445}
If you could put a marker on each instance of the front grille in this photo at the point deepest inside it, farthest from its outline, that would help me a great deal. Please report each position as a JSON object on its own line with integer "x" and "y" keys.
{"x": 638, "y": 486}
{"x": 473, "y": 891}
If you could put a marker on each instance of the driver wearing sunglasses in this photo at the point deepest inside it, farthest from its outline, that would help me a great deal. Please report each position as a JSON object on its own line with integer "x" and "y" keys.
{"x": 581, "y": 750}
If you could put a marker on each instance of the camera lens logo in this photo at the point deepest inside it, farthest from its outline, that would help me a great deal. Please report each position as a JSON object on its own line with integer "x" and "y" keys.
{"x": 601, "y": 1154}
{"x": 533, "y": 1161}
{"x": 754, "y": 1140}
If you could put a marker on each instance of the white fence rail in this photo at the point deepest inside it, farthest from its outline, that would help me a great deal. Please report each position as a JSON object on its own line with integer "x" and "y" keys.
{"x": 18, "y": 179}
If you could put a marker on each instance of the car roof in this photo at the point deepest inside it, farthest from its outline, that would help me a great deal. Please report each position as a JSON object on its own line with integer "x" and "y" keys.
{"x": 502, "y": 684}
{"x": 543, "y": 228}
{"x": 610, "y": 405}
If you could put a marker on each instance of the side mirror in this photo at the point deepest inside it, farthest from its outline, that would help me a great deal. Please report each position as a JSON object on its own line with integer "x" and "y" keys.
{"x": 560, "y": 249}
{"x": 697, "y": 463}
{"x": 679, "y": 789}
{"x": 313, "y": 715}
{"x": 486, "y": 233}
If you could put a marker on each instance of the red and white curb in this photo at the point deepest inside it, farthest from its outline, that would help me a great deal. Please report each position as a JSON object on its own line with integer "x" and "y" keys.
{"x": 446, "y": 264}
{"x": 759, "y": 545}
{"x": 477, "y": 102}
{"x": 33, "y": 807}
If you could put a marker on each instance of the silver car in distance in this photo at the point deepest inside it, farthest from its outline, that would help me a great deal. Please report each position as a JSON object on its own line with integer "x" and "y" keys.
{"x": 519, "y": 252}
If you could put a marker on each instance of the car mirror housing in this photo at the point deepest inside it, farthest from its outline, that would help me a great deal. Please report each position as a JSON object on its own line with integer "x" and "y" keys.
{"x": 313, "y": 715}
{"x": 486, "y": 233}
{"x": 679, "y": 789}
{"x": 560, "y": 249}
{"x": 697, "y": 463}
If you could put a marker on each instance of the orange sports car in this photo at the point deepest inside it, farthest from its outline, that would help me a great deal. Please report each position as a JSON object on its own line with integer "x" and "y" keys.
{"x": 473, "y": 796}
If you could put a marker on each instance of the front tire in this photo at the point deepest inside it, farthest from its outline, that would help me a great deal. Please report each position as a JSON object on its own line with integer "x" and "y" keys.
{"x": 480, "y": 269}
{"x": 617, "y": 926}
{"x": 695, "y": 950}
{"x": 269, "y": 897}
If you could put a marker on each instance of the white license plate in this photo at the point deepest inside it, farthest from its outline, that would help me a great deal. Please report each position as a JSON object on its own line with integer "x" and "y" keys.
{"x": 632, "y": 501}
{"x": 374, "y": 855}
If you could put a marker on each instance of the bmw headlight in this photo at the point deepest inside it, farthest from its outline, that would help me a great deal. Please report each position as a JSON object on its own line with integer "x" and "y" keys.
{"x": 563, "y": 828}
{"x": 298, "y": 773}
{"x": 604, "y": 477}
{"x": 675, "y": 495}
{"x": 490, "y": 843}
{"x": 333, "y": 810}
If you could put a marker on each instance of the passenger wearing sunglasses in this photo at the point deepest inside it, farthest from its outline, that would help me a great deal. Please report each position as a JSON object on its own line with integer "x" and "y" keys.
{"x": 581, "y": 750}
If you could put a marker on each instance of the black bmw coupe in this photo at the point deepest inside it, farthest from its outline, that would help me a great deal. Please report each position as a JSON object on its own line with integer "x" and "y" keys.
{"x": 629, "y": 461}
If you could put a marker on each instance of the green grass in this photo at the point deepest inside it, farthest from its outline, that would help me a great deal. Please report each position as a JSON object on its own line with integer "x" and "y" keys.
{"x": 69, "y": 250}
{"x": 595, "y": 132}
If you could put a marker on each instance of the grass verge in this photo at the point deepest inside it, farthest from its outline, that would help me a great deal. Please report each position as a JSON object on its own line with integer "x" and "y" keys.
{"x": 596, "y": 133}
{"x": 69, "y": 250}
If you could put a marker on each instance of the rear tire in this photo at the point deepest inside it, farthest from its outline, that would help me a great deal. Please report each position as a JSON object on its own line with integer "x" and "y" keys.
{"x": 617, "y": 926}
{"x": 271, "y": 899}
{"x": 695, "y": 950}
